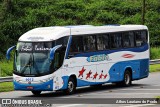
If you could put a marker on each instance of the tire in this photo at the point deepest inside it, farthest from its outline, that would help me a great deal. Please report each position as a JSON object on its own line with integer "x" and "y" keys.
{"x": 36, "y": 92}
{"x": 127, "y": 80}
{"x": 71, "y": 87}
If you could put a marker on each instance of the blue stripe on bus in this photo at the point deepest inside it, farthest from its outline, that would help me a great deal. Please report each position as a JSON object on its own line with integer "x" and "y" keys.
{"x": 40, "y": 87}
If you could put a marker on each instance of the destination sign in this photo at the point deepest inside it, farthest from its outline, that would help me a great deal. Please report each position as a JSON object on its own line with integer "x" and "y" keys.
{"x": 29, "y": 47}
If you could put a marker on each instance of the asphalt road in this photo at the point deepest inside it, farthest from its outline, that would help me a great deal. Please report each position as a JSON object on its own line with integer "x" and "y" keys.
{"x": 144, "y": 88}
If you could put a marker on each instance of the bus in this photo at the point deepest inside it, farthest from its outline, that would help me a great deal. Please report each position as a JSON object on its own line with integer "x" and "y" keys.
{"x": 67, "y": 57}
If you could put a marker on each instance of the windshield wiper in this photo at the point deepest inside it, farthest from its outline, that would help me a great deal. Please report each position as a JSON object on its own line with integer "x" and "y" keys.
{"x": 27, "y": 65}
{"x": 34, "y": 64}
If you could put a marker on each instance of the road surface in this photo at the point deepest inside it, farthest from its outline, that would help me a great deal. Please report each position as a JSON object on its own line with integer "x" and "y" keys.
{"x": 144, "y": 88}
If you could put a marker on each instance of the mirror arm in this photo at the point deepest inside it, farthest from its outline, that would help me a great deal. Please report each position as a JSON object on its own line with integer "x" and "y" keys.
{"x": 8, "y": 52}
{"x": 53, "y": 51}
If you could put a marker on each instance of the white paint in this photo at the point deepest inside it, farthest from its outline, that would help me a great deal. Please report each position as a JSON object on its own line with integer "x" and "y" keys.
{"x": 133, "y": 93}
{"x": 56, "y": 32}
{"x": 141, "y": 89}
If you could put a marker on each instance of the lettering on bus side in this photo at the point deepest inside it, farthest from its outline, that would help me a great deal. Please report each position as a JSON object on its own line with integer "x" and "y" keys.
{"x": 97, "y": 58}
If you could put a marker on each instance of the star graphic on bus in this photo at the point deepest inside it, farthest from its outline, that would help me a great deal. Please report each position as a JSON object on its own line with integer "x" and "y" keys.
{"x": 100, "y": 76}
{"x": 105, "y": 76}
{"x": 81, "y": 72}
{"x": 88, "y": 74}
{"x": 95, "y": 75}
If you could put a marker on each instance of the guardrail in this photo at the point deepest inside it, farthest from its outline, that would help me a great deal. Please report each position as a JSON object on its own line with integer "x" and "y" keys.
{"x": 156, "y": 61}
{"x": 10, "y": 78}
{"x": 6, "y": 79}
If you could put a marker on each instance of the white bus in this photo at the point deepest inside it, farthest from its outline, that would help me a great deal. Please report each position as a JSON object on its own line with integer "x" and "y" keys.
{"x": 66, "y": 57}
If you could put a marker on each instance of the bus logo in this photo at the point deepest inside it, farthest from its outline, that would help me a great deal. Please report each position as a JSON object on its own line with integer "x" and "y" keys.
{"x": 97, "y": 58}
{"x": 128, "y": 56}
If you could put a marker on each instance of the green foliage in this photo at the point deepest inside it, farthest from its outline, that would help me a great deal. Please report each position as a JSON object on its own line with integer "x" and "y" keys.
{"x": 6, "y": 68}
{"x": 155, "y": 53}
{"x": 6, "y": 86}
{"x": 154, "y": 68}
{"x": 19, "y": 16}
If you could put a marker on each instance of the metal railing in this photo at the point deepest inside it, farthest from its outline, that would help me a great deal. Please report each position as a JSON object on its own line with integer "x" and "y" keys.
{"x": 6, "y": 79}
{"x": 156, "y": 61}
{"x": 10, "y": 78}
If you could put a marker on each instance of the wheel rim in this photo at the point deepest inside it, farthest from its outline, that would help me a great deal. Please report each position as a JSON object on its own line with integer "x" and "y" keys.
{"x": 127, "y": 79}
{"x": 70, "y": 86}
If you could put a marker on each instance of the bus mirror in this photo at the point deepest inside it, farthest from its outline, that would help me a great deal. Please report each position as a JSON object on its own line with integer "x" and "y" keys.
{"x": 9, "y": 51}
{"x": 52, "y": 51}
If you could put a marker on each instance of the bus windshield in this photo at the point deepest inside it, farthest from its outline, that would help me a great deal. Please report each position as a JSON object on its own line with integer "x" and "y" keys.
{"x": 32, "y": 58}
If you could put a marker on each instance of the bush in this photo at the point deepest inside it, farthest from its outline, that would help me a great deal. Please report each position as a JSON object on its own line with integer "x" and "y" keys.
{"x": 6, "y": 68}
{"x": 155, "y": 53}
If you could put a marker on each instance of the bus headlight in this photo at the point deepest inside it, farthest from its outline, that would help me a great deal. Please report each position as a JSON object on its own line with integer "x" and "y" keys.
{"x": 16, "y": 80}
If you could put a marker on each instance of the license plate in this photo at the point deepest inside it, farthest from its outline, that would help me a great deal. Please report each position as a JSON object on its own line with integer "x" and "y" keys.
{"x": 29, "y": 87}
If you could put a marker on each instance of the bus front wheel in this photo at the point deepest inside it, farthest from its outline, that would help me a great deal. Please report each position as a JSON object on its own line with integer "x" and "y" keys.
{"x": 36, "y": 92}
{"x": 71, "y": 87}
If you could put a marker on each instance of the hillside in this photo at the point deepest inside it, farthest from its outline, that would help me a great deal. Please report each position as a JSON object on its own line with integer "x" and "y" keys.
{"x": 19, "y": 16}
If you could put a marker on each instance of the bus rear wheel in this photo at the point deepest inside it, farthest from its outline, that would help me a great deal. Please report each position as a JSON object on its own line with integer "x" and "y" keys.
{"x": 127, "y": 80}
{"x": 71, "y": 87}
{"x": 36, "y": 92}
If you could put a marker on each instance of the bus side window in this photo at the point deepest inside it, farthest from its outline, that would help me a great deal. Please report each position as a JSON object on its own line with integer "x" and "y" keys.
{"x": 128, "y": 39}
{"x": 116, "y": 40}
{"x": 76, "y": 46}
{"x": 103, "y": 42}
{"x": 141, "y": 38}
{"x": 89, "y": 43}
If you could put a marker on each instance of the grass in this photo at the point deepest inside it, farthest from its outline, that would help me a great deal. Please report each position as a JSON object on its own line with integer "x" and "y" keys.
{"x": 6, "y": 68}
{"x": 155, "y": 52}
{"x": 155, "y": 68}
{"x": 6, "y": 86}
{"x": 157, "y": 96}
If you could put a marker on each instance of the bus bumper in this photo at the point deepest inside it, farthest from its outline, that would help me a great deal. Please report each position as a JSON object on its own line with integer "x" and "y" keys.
{"x": 46, "y": 86}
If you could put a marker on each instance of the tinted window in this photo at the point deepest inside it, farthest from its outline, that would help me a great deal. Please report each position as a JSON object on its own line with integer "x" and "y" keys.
{"x": 102, "y": 42}
{"x": 116, "y": 40}
{"x": 76, "y": 44}
{"x": 89, "y": 43}
{"x": 141, "y": 38}
{"x": 128, "y": 39}
{"x": 62, "y": 41}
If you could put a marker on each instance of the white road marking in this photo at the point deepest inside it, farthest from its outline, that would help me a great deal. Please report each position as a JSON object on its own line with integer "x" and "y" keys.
{"x": 136, "y": 93}
{"x": 139, "y": 105}
{"x": 70, "y": 105}
{"x": 141, "y": 89}
{"x": 155, "y": 85}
